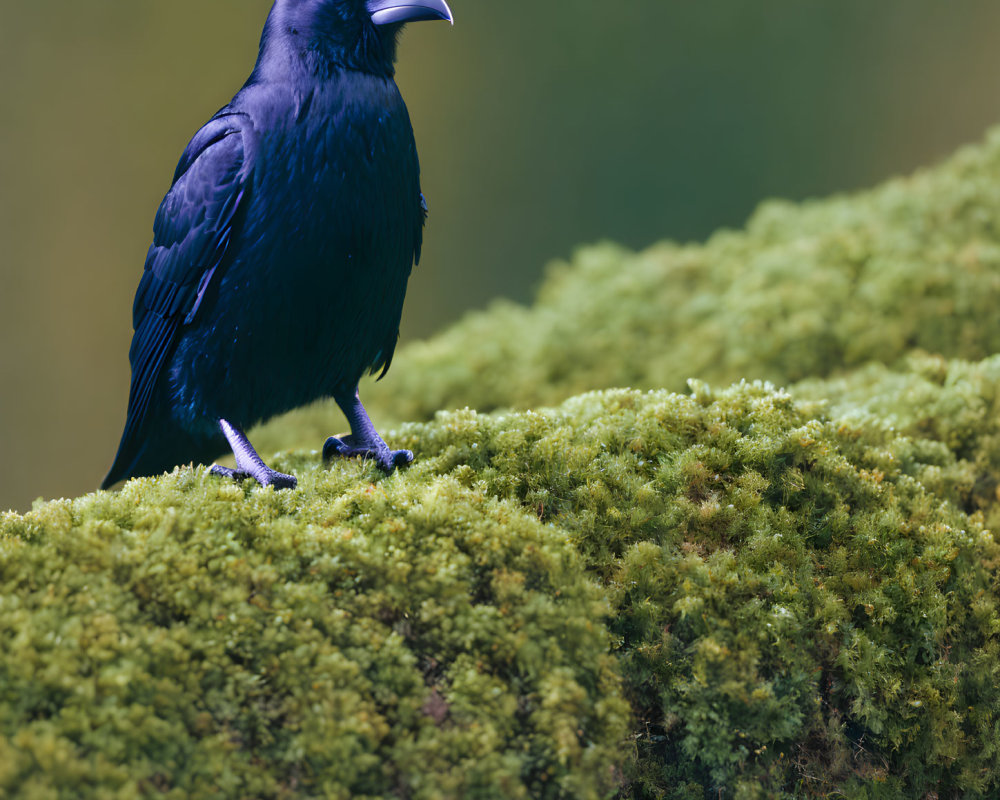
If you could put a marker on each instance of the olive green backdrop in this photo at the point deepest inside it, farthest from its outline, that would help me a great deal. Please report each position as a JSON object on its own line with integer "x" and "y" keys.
{"x": 541, "y": 125}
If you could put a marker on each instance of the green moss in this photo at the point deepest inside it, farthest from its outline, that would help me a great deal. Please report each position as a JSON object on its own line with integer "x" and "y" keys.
{"x": 191, "y": 638}
{"x": 791, "y": 612}
{"x": 941, "y": 419}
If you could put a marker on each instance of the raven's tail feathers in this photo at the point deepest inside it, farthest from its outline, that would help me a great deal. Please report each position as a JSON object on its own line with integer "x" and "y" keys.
{"x": 152, "y": 450}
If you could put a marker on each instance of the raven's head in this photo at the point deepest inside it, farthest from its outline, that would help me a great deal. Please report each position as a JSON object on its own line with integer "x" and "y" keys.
{"x": 356, "y": 34}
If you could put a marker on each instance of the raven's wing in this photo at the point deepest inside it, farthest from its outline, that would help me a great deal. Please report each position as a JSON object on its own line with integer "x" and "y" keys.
{"x": 191, "y": 235}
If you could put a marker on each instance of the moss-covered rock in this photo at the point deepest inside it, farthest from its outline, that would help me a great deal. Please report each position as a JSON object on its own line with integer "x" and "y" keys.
{"x": 791, "y": 612}
{"x": 192, "y": 638}
{"x": 781, "y": 594}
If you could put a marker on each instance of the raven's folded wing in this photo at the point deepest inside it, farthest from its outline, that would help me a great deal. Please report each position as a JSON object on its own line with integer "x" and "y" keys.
{"x": 192, "y": 232}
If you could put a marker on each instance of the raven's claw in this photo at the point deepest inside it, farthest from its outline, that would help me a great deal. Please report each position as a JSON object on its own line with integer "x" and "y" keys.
{"x": 347, "y": 447}
{"x": 265, "y": 477}
{"x": 248, "y": 463}
{"x": 363, "y": 441}
{"x": 226, "y": 472}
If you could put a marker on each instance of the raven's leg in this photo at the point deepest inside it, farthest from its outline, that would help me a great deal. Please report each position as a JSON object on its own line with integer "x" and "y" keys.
{"x": 248, "y": 463}
{"x": 363, "y": 440}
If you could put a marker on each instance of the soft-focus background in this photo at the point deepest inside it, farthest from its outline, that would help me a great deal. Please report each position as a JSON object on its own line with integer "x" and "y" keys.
{"x": 541, "y": 126}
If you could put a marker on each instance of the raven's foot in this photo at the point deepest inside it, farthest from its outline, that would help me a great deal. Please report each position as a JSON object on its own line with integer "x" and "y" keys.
{"x": 248, "y": 463}
{"x": 265, "y": 477}
{"x": 379, "y": 452}
{"x": 363, "y": 441}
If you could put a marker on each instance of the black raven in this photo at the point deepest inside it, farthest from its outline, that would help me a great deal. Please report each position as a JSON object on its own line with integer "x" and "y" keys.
{"x": 281, "y": 253}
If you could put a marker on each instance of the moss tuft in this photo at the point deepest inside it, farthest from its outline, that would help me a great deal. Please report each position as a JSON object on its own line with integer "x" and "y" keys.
{"x": 940, "y": 418}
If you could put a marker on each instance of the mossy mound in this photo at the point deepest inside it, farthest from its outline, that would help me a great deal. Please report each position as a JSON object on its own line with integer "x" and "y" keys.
{"x": 792, "y": 613}
{"x": 193, "y": 638}
{"x": 795, "y": 614}
{"x": 803, "y": 291}
{"x": 879, "y": 306}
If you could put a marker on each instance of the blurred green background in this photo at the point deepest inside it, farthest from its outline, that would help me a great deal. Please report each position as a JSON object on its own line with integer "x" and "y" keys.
{"x": 541, "y": 125}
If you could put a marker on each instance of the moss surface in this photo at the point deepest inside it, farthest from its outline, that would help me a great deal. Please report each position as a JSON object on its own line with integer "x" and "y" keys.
{"x": 793, "y": 611}
{"x": 749, "y": 591}
{"x": 789, "y": 608}
{"x": 191, "y": 637}
{"x": 943, "y": 416}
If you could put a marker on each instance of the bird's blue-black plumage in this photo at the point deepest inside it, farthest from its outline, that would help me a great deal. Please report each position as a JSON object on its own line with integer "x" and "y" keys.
{"x": 192, "y": 231}
{"x": 282, "y": 250}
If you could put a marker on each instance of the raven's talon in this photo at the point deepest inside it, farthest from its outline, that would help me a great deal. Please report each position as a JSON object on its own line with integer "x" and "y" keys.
{"x": 269, "y": 477}
{"x": 335, "y": 446}
{"x": 279, "y": 480}
{"x": 402, "y": 458}
{"x": 226, "y": 472}
{"x": 386, "y": 459}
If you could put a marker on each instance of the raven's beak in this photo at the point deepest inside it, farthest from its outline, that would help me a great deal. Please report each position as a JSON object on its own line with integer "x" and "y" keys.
{"x": 386, "y": 12}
